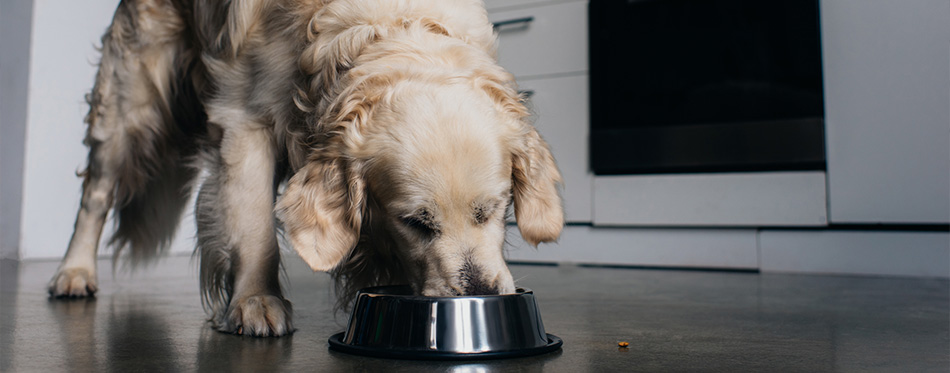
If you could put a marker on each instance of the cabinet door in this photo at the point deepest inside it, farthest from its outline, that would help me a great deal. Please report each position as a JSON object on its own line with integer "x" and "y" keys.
{"x": 887, "y": 89}
{"x": 550, "y": 39}
{"x": 561, "y": 111}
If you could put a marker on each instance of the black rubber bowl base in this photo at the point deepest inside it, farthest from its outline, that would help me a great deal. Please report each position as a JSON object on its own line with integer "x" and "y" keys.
{"x": 336, "y": 344}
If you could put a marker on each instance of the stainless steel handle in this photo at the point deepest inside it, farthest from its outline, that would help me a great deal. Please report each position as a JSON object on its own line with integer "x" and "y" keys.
{"x": 515, "y": 21}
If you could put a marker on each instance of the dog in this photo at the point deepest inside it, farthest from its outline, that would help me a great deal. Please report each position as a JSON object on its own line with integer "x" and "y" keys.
{"x": 379, "y": 137}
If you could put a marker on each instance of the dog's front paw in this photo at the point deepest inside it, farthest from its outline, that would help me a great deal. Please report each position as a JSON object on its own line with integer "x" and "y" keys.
{"x": 258, "y": 316}
{"x": 73, "y": 282}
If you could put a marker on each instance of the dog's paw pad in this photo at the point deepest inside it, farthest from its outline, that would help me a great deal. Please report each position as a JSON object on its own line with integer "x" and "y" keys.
{"x": 258, "y": 316}
{"x": 74, "y": 283}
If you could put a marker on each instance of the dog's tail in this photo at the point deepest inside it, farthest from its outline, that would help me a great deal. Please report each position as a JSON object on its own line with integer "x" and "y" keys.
{"x": 147, "y": 214}
{"x": 155, "y": 119}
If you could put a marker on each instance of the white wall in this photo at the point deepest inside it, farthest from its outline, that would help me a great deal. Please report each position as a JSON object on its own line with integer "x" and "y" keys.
{"x": 62, "y": 70}
{"x": 15, "y": 17}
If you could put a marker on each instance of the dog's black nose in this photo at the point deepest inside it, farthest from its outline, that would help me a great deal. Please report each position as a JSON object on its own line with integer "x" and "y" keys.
{"x": 480, "y": 287}
{"x": 473, "y": 281}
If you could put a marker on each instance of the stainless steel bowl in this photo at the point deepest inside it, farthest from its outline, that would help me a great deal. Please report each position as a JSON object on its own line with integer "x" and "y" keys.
{"x": 389, "y": 321}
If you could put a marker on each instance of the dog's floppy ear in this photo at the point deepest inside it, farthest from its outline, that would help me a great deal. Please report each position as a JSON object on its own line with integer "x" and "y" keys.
{"x": 322, "y": 207}
{"x": 321, "y": 210}
{"x": 535, "y": 178}
{"x": 534, "y": 182}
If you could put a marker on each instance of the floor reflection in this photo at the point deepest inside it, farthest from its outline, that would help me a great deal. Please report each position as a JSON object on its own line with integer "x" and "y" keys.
{"x": 220, "y": 352}
{"x": 9, "y": 281}
{"x": 539, "y": 363}
{"x": 76, "y": 322}
{"x": 140, "y": 339}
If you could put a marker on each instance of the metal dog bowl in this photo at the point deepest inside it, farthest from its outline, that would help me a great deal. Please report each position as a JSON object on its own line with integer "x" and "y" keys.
{"x": 388, "y": 321}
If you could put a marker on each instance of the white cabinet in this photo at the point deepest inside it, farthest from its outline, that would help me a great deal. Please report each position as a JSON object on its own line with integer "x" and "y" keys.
{"x": 888, "y": 147}
{"x": 887, "y": 93}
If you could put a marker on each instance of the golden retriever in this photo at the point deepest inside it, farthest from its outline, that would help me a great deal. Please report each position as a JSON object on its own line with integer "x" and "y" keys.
{"x": 381, "y": 133}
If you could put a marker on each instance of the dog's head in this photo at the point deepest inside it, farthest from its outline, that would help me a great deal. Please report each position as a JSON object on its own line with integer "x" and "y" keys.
{"x": 427, "y": 169}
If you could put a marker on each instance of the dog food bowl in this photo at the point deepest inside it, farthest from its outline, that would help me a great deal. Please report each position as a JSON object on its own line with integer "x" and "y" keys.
{"x": 388, "y": 321}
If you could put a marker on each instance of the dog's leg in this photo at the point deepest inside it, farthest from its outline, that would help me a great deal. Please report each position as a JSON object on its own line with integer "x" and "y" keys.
{"x": 76, "y": 276}
{"x": 237, "y": 239}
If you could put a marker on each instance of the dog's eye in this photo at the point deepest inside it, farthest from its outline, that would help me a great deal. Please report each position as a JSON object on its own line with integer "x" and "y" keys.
{"x": 420, "y": 222}
{"x": 481, "y": 215}
{"x": 483, "y": 212}
{"x": 414, "y": 223}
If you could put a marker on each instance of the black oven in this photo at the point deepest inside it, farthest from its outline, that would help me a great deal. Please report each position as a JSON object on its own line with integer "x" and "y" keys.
{"x": 705, "y": 86}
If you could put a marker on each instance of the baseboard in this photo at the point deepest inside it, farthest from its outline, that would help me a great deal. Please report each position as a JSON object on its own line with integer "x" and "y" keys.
{"x": 914, "y": 253}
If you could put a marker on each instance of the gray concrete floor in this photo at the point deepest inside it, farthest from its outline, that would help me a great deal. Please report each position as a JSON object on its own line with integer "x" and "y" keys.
{"x": 673, "y": 320}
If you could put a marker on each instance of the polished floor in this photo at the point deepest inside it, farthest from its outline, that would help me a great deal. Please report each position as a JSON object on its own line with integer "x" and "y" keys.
{"x": 673, "y": 321}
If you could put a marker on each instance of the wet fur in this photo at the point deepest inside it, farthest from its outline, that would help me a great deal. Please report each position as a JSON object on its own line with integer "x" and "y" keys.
{"x": 255, "y": 94}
